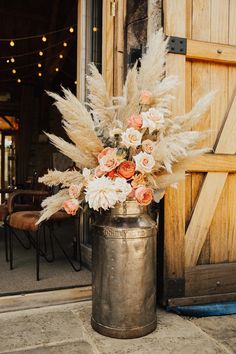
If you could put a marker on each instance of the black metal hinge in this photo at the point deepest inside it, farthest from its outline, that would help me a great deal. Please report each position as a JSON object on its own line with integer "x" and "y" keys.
{"x": 177, "y": 45}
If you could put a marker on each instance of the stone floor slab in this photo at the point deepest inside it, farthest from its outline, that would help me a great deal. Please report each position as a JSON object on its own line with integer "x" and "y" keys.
{"x": 67, "y": 348}
{"x": 222, "y": 328}
{"x": 36, "y": 327}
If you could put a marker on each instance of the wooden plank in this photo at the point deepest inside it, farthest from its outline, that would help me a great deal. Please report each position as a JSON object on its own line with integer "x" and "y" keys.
{"x": 174, "y": 224}
{"x": 108, "y": 45}
{"x": 119, "y": 47}
{"x": 200, "y": 300}
{"x": 212, "y": 186}
{"x": 219, "y": 82}
{"x": 231, "y": 232}
{"x": 80, "y": 70}
{"x": 214, "y": 279}
{"x": 201, "y": 14}
{"x": 212, "y": 163}
{"x": 227, "y": 143}
{"x": 202, "y": 216}
{"x": 222, "y": 53}
{"x": 46, "y": 298}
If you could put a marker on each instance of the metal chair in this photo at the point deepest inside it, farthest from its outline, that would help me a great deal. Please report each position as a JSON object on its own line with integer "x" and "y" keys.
{"x": 26, "y": 221}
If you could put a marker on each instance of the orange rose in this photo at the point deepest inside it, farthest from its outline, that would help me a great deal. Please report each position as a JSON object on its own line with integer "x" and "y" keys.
{"x": 135, "y": 121}
{"x": 107, "y": 151}
{"x": 111, "y": 174}
{"x": 146, "y": 97}
{"x": 144, "y": 195}
{"x": 126, "y": 169}
{"x": 71, "y": 206}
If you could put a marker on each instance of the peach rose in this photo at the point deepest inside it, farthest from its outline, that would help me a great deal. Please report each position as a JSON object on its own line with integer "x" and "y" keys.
{"x": 144, "y": 195}
{"x": 71, "y": 206}
{"x": 146, "y": 97}
{"x": 138, "y": 181}
{"x": 108, "y": 162}
{"x": 126, "y": 169}
{"x": 106, "y": 151}
{"x": 98, "y": 172}
{"x": 147, "y": 146}
{"x": 135, "y": 121}
{"x": 75, "y": 190}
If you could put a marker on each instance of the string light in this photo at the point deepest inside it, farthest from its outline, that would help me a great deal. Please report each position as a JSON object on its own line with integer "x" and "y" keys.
{"x": 40, "y": 53}
{"x": 64, "y": 44}
{"x": 19, "y": 81}
{"x": 8, "y": 61}
{"x": 39, "y": 74}
{"x": 13, "y": 71}
{"x": 70, "y": 28}
{"x": 57, "y": 69}
{"x": 95, "y": 29}
{"x": 12, "y": 43}
{"x": 12, "y": 60}
{"x": 39, "y": 65}
{"x": 75, "y": 82}
{"x": 61, "y": 56}
{"x": 44, "y": 39}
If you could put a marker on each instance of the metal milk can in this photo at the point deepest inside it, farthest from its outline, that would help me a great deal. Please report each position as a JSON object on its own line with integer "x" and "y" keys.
{"x": 124, "y": 272}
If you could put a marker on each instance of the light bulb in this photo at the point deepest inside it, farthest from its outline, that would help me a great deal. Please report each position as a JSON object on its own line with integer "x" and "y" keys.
{"x": 8, "y": 61}
{"x": 39, "y": 65}
{"x": 40, "y": 74}
{"x": 44, "y": 39}
{"x": 57, "y": 69}
{"x": 40, "y": 53}
{"x": 75, "y": 82}
{"x": 12, "y": 43}
{"x": 64, "y": 44}
{"x": 13, "y": 71}
{"x": 61, "y": 56}
{"x": 12, "y": 60}
{"x": 95, "y": 29}
{"x": 71, "y": 29}
{"x": 19, "y": 81}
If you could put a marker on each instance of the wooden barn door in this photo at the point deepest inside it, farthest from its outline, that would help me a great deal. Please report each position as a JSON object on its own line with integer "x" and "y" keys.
{"x": 200, "y": 216}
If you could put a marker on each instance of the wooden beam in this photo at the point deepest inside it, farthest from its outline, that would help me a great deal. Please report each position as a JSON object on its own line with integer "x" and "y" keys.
{"x": 215, "y": 279}
{"x": 81, "y": 34}
{"x": 222, "y": 53}
{"x": 212, "y": 163}
{"x": 108, "y": 44}
{"x": 200, "y": 300}
{"x": 175, "y": 25}
{"x": 119, "y": 47}
{"x": 47, "y": 298}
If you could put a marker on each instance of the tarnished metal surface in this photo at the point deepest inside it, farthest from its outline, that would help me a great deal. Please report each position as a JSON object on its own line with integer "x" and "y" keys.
{"x": 124, "y": 272}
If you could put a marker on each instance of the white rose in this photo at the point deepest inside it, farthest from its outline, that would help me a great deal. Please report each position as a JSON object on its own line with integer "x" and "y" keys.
{"x": 153, "y": 119}
{"x": 144, "y": 162}
{"x": 131, "y": 137}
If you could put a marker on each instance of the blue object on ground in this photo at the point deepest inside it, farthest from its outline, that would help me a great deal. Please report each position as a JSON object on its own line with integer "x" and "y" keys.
{"x": 217, "y": 309}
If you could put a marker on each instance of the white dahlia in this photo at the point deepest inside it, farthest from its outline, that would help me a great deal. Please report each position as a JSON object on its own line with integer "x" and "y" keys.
{"x": 122, "y": 188}
{"x": 101, "y": 193}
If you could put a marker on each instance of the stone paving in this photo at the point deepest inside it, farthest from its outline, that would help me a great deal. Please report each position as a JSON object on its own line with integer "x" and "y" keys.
{"x": 66, "y": 329}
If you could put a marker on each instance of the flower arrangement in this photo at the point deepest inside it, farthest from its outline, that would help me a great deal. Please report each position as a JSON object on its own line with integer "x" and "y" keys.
{"x": 128, "y": 147}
